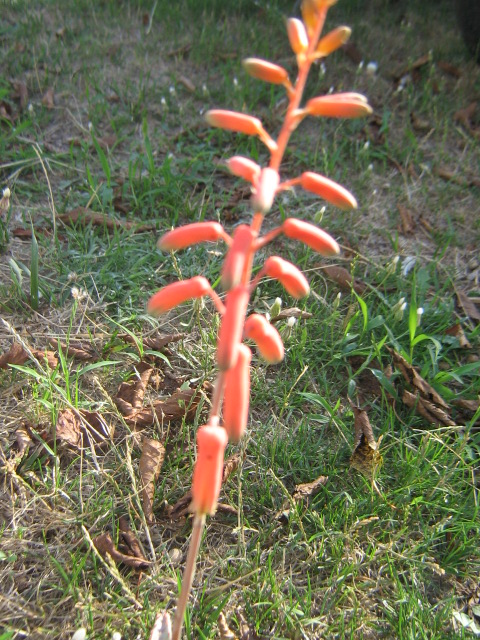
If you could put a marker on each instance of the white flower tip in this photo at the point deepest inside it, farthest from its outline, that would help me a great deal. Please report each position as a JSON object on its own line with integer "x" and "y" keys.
{"x": 80, "y": 634}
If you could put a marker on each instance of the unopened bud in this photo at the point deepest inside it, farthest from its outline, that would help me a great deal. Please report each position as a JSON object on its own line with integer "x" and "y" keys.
{"x": 328, "y": 189}
{"x": 265, "y": 336}
{"x": 267, "y": 71}
{"x": 189, "y": 234}
{"x": 176, "y": 293}
{"x": 231, "y": 327}
{"x": 237, "y": 395}
{"x": 208, "y": 471}
{"x": 265, "y": 191}
{"x": 288, "y": 275}
{"x": 315, "y": 238}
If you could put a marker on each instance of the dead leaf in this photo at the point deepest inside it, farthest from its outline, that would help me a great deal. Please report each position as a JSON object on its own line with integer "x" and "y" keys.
{"x": 6, "y": 111}
{"x": 408, "y": 223}
{"x": 412, "y": 376}
{"x": 76, "y": 349}
{"x": 418, "y": 123}
{"x": 427, "y": 409}
{"x": 130, "y": 394}
{"x": 451, "y": 176}
{"x": 187, "y": 83}
{"x": 293, "y": 312}
{"x": 181, "y": 404}
{"x": 365, "y": 457}
{"x": 457, "y": 331}
{"x": 344, "y": 279}
{"x": 151, "y": 460}
{"x": 154, "y": 343}
{"x": 107, "y": 141}
{"x": 15, "y": 355}
{"x": 85, "y": 216}
{"x": 162, "y": 629}
{"x": 465, "y": 116}
{"x": 471, "y": 406}
{"x": 467, "y": 305}
{"x": 104, "y": 545}
{"x": 130, "y": 539}
{"x": 23, "y": 439}
{"x": 230, "y": 466}
{"x": 80, "y": 429}
{"x": 46, "y": 356}
{"x": 180, "y": 51}
{"x": 449, "y": 68}
{"x": 20, "y": 93}
{"x": 48, "y": 99}
{"x": 223, "y": 629}
{"x": 309, "y": 489}
{"x": 60, "y": 32}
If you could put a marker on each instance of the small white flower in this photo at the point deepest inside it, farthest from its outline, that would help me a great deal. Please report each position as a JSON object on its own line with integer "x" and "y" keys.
{"x": 408, "y": 265}
{"x": 72, "y": 276}
{"x": 204, "y": 89}
{"x": 89, "y": 126}
{"x": 399, "y": 309}
{"x": 116, "y": 636}
{"x": 336, "y": 302}
{"x": 80, "y": 634}
{"x": 323, "y": 69}
{"x": 6, "y": 193}
{"x": 30, "y": 107}
{"x": 391, "y": 267}
{"x": 163, "y": 102}
{"x": 371, "y": 68}
{"x": 420, "y": 311}
{"x": 235, "y": 82}
{"x": 291, "y": 321}
{"x": 171, "y": 90}
{"x": 366, "y": 146}
{"x": 370, "y": 167}
{"x": 361, "y": 65}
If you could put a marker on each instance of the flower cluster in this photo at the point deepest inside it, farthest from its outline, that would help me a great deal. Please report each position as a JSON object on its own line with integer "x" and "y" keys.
{"x": 229, "y": 408}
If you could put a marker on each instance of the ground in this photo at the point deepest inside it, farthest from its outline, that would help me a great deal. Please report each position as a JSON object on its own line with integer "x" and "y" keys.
{"x": 104, "y": 147}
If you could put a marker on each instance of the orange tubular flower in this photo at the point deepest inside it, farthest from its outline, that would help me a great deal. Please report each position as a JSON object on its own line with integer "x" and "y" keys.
{"x": 234, "y": 121}
{"x": 266, "y": 337}
{"x": 176, "y": 293}
{"x": 189, "y": 234}
{"x": 332, "y": 41}
{"x": 288, "y": 275}
{"x": 244, "y": 168}
{"x": 312, "y": 236}
{"x": 266, "y": 189}
{"x": 231, "y": 328}
{"x": 339, "y": 105}
{"x": 237, "y": 395}
{"x": 267, "y": 71}
{"x": 328, "y": 189}
{"x": 237, "y": 256}
{"x": 297, "y": 36}
{"x": 208, "y": 471}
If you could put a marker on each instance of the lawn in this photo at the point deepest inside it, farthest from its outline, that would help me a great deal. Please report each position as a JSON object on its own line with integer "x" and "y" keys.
{"x": 350, "y": 509}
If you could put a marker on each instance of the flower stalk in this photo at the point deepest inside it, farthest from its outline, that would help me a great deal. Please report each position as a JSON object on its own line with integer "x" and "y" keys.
{"x": 229, "y": 409}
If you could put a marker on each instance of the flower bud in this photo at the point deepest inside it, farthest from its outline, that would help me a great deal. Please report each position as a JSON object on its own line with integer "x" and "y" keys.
{"x": 288, "y": 275}
{"x": 176, "y": 293}
{"x": 231, "y": 327}
{"x": 237, "y": 395}
{"x": 208, "y": 471}
{"x": 328, "y": 189}
{"x": 237, "y": 256}
{"x": 297, "y": 36}
{"x": 189, "y": 234}
{"x": 265, "y": 336}
{"x": 333, "y": 41}
{"x": 312, "y": 236}
{"x": 267, "y": 71}
{"x": 244, "y": 168}
{"x": 266, "y": 189}
{"x": 234, "y": 121}
{"x": 339, "y": 105}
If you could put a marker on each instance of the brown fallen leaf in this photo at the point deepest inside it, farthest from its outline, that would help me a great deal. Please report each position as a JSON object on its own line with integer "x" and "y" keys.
{"x": 470, "y": 406}
{"x": 107, "y": 141}
{"x": 15, "y": 355}
{"x": 427, "y": 409}
{"x": 449, "y": 68}
{"x": 6, "y": 112}
{"x": 180, "y": 51}
{"x": 187, "y": 83}
{"x": 457, "y": 332}
{"x": 23, "y": 439}
{"x": 446, "y": 174}
{"x": 309, "y": 489}
{"x": 406, "y": 217}
{"x": 352, "y": 52}
{"x": 130, "y": 394}
{"x": 154, "y": 343}
{"x": 181, "y": 404}
{"x": 76, "y": 349}
{"x": 130, "y": 539}
{"x": 20, "y": 92}
{"x": 230, "y": 466}
{"x": 344, "y": 279}
{"x": 151, "y": 460}
{"x": 412, "y": 376}
{"x": 418, "y": 123}
{"x": 85, "y": 216}
{"x": 104, "y": 545}
{"x": 465, "y": 116}
{"x": 365, "y": 457}
{"x": 293, "y": 312}
{"x": 48, "y": 99}
{"x": 467, "y": 305}
{"x": 80, "y": 429}
{"x": 46, "y": 356}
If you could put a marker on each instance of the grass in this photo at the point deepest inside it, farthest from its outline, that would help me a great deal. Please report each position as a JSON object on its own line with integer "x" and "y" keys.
{"x": 391, "y": 559}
